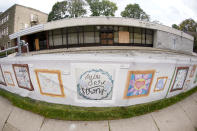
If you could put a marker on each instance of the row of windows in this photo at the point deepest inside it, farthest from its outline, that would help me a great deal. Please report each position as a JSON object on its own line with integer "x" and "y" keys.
{"x": 101, "y": 35}
{"x": 3, "y": 32}
{"x": 4, "y": 19}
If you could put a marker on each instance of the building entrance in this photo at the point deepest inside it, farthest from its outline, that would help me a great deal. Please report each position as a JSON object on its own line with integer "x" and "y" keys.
{"x": 107, "y": 36}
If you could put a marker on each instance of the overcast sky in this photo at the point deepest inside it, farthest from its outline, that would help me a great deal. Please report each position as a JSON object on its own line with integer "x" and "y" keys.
{"x": 167, "y": 12}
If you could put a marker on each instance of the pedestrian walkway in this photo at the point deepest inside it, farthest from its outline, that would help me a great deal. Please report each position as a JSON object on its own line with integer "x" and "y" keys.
{"x": 181, "y": 116}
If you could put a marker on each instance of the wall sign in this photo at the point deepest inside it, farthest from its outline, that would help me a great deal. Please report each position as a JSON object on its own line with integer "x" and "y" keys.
{"x": 22, "y": 75}
{"x": 181, "y": 75}
{"x": 50, "y": 82}
{"x": 138, "y": 83}
{"x": 160, "y": 85}
{"x": 8, "y": 78}
{"x": 2, "y": 79}
{"x": 94, "y": 84}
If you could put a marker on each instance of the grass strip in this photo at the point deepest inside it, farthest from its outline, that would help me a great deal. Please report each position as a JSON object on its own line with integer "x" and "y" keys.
{"x": 68, "y": 112}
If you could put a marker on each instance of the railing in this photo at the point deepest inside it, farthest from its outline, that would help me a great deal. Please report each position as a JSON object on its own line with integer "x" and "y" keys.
{"x": 20, "y": 43}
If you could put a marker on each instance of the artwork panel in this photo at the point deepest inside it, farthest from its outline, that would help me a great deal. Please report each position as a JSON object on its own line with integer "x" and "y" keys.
{"x": 138, "y": 83}
{"x": 50, "y": 82}
{"x": 160, "y": 84}
{"x": 181, "y": 75}
{"x": 2, "y": 78}
{"x": 22, "y": 75}
{"x": 94, "y": 84}
{"x": 192, "y": 71}
{"x": 8, "y": 78}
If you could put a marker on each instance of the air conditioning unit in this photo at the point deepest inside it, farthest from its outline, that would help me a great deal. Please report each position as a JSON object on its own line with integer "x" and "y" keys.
{"x": 34, "y": 18}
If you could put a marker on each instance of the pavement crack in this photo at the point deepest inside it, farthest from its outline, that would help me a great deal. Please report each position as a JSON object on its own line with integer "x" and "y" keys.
{"x": 8, "y": 117}
{"x": 155, "y": 122}
{"x": 42, "y": 124}
{"x": 109, "y": 126}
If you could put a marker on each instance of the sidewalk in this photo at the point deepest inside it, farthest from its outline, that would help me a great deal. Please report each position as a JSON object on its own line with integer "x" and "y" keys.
{"x": 179, "y": 117}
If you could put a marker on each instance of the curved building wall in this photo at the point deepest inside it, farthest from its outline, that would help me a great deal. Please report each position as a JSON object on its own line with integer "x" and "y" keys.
{"x": 165, "y": 40}
{"x": 102, "y": 79}
{"x": 58, "y": 36}
{"x": 98, "y": 35}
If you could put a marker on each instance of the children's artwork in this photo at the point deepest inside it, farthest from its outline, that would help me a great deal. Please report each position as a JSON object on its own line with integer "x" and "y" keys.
{"x": 195, "y": 79}
{"x": 192, "y": 71}
{"x": 50, "y": 82}
{"x": 138, "y": 83}
{"x": 187, "y": 84}
{"x": 160, "y": 85}
{"x": 2, "y": 79}
{"x": 94, "y": 84}
{"x": 181, "y": 75}
{"x": 8, "y": 78}
{"x": 22, "y": 75}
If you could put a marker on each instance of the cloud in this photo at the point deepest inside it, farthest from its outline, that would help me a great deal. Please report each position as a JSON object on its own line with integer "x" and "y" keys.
{"x": 167, "y": 12}
{"x": 192, "y": 4}
{"x": 5, "y": 5}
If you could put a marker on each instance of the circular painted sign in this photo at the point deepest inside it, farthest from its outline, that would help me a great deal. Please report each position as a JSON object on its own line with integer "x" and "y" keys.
{"x": 95, "y": 85}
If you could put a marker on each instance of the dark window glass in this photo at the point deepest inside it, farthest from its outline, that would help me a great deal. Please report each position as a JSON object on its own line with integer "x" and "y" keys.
{"x": 143, "y": 36}
{"x": 88, "y": 28}
{"x": 137, "y": 35}
{"x": 123, "y": 28}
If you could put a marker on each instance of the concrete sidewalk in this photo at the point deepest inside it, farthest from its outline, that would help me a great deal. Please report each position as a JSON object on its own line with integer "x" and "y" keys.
{"x": 179, "y": 117}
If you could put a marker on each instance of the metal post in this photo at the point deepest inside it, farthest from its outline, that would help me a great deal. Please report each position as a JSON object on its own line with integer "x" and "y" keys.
{"x": 6, "y": 50}
{"x": 19, "y": 46}
{"x": 27, "y": 47}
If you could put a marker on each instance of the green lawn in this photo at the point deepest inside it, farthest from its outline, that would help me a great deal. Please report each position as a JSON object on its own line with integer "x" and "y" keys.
{"x": 67, "y": 112}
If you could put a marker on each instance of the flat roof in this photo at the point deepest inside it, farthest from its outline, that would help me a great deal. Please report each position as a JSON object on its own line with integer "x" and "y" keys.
{"x": 85, "y": 21}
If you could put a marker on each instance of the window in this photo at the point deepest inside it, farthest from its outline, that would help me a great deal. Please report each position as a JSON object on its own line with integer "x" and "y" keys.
{"x": 131, "y": 30}
{"x": 7, "y": 17}
{"x": 123, "y": 28}
{"x": 137, "y": 35}
{"x": 0, "y": 34}
{"x": 88, "y": 37}
{"x": 72, "y": 38}
{"x": 6, "y": 31}
{"x": 116, "y": 36}
{"x": 149, "y": 37}
{"x": 88, "y": 28}
{"x": 124, "y": 37}
{"x": 26, "y": 25}
{"x": 57, "y": 37}
{"x": 143, "y": 36}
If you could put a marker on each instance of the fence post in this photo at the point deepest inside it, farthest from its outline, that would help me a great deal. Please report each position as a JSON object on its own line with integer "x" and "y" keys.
{"x": 19, "y": 46}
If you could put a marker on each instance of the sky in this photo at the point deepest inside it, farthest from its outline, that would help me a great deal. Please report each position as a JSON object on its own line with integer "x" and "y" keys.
{"x": 167, "y": 12}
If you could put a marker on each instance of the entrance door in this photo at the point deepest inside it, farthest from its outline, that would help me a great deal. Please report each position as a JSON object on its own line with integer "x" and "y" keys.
{"x": 107, "y": 38}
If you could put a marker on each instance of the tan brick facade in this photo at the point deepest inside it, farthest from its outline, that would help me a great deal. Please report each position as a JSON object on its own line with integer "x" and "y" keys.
{"x": 17, "y": 18}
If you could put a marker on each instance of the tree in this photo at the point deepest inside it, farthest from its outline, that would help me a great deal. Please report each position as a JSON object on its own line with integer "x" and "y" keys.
{"x": 188, "y": 25}
{"x": 59, "y": 11}
{"x": 175, "y": 26}
{"x": 67, "y": 9}
{"x": 102, "y": 8}
{"x": 134, "y": 11}
{"x": 76, "y": 8}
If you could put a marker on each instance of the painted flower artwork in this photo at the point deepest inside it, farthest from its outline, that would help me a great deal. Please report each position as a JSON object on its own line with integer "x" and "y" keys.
{"x": 139, "y": 83}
